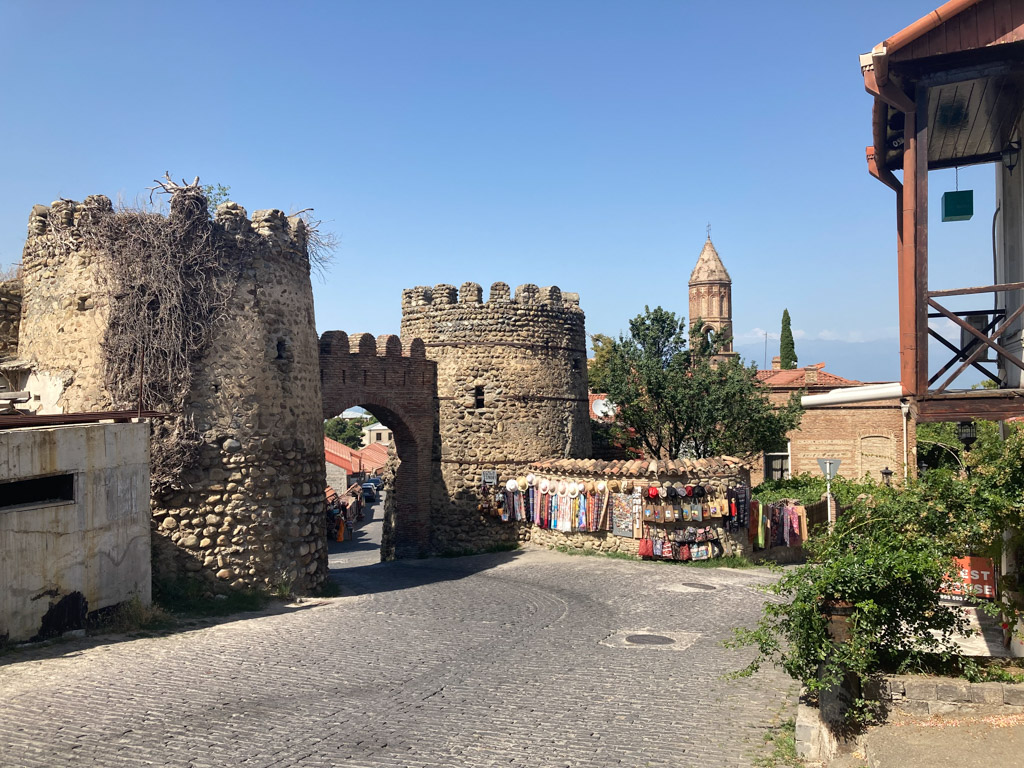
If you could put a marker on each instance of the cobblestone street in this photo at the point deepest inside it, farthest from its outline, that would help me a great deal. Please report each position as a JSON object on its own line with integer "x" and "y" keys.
{"x": 514, "y": 658}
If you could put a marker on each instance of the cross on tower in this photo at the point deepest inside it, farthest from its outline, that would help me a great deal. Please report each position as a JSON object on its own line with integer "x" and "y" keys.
{"x": 709, "y": 230}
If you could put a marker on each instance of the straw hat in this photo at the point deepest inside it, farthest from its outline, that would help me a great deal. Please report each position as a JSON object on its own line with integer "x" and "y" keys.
{"x": 544, "y": 485}
{"x": 574, "y": 489}
{"x": 614, "y": 486}
{"x": 562, "y": 487}
{"x": 590, "y": 486}
{"x": 521, "y": 483}
{"x": 511, "y": 485}
{"x": 601, "y": 486}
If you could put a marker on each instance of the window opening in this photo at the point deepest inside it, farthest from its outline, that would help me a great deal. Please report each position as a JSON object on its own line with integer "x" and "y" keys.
{"x": 478, "y": 397}
{"x": 56, "y": 489}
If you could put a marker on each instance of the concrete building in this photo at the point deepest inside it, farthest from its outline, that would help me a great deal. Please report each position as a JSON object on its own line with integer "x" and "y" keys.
{"x": 74, "y": 524}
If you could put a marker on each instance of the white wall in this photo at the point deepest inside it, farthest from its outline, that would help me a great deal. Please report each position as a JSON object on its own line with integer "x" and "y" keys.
{"x": 97, "y": 546}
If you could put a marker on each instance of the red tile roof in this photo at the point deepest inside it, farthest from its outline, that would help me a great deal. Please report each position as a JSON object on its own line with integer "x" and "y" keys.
{"x": 797, "y": 378}
{"x": 374, "y": 457}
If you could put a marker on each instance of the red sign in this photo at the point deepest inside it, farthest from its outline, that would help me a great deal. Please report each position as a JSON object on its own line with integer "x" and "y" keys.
{"x": 978, "y": 575}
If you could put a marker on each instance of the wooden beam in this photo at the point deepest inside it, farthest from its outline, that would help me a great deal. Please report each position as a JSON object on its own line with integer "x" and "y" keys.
{"x": 905, "y": 281}
{"x": 980, "y": 289}
{"x": 920, "y": 162}
{"x": 984, "y": 339}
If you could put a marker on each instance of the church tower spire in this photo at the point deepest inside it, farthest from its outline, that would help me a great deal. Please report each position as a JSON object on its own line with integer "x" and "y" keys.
{"x": 711, "y": 295}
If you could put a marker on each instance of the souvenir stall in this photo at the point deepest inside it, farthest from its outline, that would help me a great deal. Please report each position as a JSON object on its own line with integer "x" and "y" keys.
{"x": 680, "y": 510}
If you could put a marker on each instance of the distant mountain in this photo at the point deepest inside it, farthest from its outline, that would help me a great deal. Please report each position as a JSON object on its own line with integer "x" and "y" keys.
{"x": 863, "y": 361}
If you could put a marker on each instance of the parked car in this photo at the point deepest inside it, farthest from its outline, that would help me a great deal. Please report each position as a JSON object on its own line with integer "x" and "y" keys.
{"x": 370, "y": 492}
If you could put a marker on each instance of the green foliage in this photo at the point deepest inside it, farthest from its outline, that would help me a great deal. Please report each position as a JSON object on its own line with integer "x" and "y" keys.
{"x": 215, "y": 195}
{"x": 787, "y": 349}
{"x": 347, "y": 431}
{"x": 597, "y": 367}
{"x": 676, "y": 401}
{"x": 781, "y": 741}
{"x": 810, "y": 489}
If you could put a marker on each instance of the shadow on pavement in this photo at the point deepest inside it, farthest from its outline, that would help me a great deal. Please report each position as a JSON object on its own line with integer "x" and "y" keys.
{"x": 408, "y": 574}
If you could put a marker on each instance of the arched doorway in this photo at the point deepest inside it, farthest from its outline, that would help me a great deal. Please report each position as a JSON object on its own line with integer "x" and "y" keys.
{"x": 398, "y": 385}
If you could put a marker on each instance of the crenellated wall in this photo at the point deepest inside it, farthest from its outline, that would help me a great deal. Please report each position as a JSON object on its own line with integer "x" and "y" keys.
{"x": 511, "y": 389}
{"x": 398, "y": 384}
{"x": 250, "y": 511}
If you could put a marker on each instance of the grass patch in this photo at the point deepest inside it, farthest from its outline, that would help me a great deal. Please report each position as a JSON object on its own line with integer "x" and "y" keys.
{"x": 729, "y": 561}
{"x": 592, "y": 553}
{"x": 131, "y": 616}
{"x": 780, "y": 742}
{"x": 191, "y": 598}
{"x": 972, "y": 669}
{"x": 327, "y": 588}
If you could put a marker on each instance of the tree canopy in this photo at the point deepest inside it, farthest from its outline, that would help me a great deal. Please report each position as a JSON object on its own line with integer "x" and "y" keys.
{"x": 347, "y": 431}
{"x": 597, "y": 367}
{"x": 787, "y": 349}
{"x": 676, "y": 401}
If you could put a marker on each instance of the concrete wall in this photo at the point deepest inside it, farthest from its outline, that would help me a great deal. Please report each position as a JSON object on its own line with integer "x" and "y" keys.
{"x": 62, "y": 561}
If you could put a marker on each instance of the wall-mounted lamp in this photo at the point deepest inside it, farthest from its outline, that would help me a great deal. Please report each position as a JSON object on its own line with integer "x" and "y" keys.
{"x": 1011, "y": 155}
{"x": 887, "y": 476}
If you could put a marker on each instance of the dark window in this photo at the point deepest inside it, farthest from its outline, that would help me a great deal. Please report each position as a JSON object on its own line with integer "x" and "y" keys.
{"x": 56, "y": 489}
{"x": 575, "y": 364}
{"x": 776, "y": 466}
{"x": 282, "y": 349}
{"x": 478, "y": 397}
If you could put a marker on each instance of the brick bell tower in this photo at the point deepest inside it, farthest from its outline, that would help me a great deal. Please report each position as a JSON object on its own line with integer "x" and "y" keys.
{"x": 711, "y": 296}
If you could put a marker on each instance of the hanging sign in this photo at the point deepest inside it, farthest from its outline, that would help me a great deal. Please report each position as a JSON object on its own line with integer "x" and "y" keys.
{"x": 489, "y": 477}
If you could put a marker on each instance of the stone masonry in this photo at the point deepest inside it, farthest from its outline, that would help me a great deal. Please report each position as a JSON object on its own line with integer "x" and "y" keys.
{"x": 250, "y": 511}
{"x": 398, "y": 384}
{"x": 10, "y": 316}
{"x": 511, "y": 389}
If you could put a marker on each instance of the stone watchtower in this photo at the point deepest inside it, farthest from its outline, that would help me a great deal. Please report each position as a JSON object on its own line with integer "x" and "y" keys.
{"x": 246, "y": 508}
{"x": 711, "y": 296}
{"x": 511, "y": 386}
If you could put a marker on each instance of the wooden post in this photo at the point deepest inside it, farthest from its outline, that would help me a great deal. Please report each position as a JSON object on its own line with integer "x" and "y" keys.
{"x": 921, "y": 241}
{"x": 907, "y": 253}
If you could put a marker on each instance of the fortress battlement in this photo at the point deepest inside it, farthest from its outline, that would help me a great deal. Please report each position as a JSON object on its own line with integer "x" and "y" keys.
{"x": 471, "y": 294}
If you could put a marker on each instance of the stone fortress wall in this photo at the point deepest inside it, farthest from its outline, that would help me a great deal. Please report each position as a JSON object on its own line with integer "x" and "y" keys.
{"x": 10, "y": 316}
{"x": 511, "y": 388}
{"x": 250, "y": 512}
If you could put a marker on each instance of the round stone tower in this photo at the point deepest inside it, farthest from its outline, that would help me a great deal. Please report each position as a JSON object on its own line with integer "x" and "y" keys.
{"x": 245, "y": 508}
{"x": 512, "y": 389}
{"x": 711, "y": 296}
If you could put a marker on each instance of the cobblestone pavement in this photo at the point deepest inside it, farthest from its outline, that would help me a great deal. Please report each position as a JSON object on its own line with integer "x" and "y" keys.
{"x": 506, "y": 659}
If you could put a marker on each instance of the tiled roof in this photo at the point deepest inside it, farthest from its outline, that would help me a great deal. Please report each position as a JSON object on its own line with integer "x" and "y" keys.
{"x": 720, "y": 465}
{"x": 796, "y": 378}
{"x": 374, "y": 456}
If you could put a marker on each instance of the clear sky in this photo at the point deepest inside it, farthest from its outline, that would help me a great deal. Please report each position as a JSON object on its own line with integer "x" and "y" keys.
{"x": 578, "y": 143}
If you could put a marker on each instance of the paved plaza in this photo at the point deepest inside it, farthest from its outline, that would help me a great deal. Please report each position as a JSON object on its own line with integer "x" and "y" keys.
{"x": 516, "y": 658}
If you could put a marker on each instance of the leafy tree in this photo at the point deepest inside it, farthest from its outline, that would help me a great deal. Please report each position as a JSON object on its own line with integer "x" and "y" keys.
{"x": 597, "y": 367}
{"x": 215, "y": 195}
{"x": 787, "y": 350}
{"x": 675, "y": 401}
{"x": 347, "y": 431}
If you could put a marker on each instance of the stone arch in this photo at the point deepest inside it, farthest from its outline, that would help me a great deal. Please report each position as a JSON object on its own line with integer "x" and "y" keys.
{"x": 398, "y": 385}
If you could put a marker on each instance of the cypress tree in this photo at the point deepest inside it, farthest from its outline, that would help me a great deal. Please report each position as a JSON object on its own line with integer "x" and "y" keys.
{"x": 787, "y": 351}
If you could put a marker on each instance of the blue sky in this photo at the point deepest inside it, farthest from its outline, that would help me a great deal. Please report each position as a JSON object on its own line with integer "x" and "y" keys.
{"x": 577, "y": 143}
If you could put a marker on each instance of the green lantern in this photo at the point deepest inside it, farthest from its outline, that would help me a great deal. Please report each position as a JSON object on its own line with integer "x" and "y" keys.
{"x": 958, "y": 206}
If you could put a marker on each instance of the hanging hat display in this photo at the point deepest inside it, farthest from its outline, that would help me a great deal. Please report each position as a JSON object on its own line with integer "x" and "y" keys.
{"x": 663, "y": 492}
{"x": 531, "y": 480}
{"x": 562, "y": 487}
{"x": 521, "y": 483}
{"x": 671, "y": 492}
{"x": 601, "y": 486}
{"x": 688, "y": 489}
{"x": 652, "y": 492}
{"x": 544, "y": 485}
{"x": 614, "y": 486}
{"x": 511, "y": 485}
{"x": 574, "y": 489}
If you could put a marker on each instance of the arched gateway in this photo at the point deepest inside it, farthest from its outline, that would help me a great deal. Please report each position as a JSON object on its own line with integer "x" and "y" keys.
{"x": 398, "y": 385}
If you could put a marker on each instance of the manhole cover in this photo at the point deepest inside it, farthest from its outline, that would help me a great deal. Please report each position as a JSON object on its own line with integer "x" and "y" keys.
{"x": 649, "y": 640}
{"x": 695, "y": 585}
